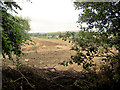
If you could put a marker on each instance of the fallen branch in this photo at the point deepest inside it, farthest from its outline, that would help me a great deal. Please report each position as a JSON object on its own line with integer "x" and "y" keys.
{"x": 32, "y": 86}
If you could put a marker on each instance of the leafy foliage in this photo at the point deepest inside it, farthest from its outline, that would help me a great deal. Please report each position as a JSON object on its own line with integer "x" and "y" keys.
{"x": 103, "y": 16}
{"x": 51, "y": 35}
{"x": 99, "y": 36}
{"x": 24, "y": 22}
{"x": 14, "y": 31}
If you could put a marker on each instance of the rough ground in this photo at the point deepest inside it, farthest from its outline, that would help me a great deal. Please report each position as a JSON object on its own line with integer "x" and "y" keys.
{"x": 47, "y": 53}
{"x": 43, "y": 72}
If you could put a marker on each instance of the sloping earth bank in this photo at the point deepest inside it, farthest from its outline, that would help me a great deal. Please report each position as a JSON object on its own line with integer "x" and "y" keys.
{"x": 47, "y": 53}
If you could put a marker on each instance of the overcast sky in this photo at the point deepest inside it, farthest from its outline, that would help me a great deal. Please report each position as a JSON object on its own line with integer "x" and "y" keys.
{"x": 50, "y": 15}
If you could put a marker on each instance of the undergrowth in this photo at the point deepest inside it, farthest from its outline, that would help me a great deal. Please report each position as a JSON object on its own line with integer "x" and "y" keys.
{"x": 28, "y": 78}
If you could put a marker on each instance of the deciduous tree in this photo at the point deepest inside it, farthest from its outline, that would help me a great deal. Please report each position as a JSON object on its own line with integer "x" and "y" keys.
{"x": 101, "y": 33}
{"x": 14, "y": 31}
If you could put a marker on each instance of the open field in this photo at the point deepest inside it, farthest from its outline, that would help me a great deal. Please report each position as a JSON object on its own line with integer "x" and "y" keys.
{"x": 43, "y": 72}
{"x": 47, "y": 53}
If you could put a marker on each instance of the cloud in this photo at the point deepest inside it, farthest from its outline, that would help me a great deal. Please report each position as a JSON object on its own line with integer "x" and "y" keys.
{"x": 50, "y": 15}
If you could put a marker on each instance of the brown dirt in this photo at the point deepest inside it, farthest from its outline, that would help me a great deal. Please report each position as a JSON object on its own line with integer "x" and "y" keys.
{"x": 48, "y": 53}
{"x": 43, "y": 71}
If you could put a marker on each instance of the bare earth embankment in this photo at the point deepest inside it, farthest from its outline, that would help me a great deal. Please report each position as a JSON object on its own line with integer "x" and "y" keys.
{"x": 47, "y": 53}
{"x": 42, "y": 71}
